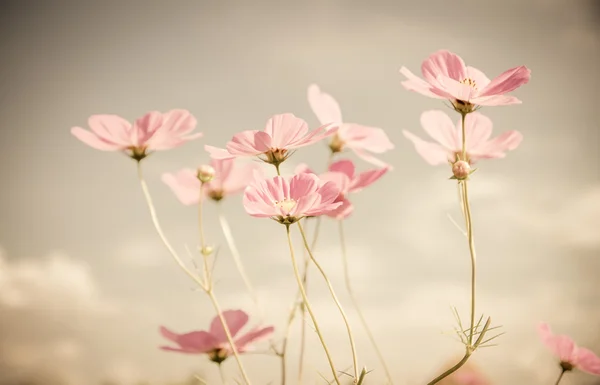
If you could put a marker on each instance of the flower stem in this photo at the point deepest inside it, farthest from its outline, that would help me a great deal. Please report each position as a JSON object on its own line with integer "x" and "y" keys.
{"x": 335, "y": 299}
{"x": 355, "y": 303}
{"x": 466, "y": 208}
{"x": 236, "y": 256}
{"x": 222, "y": 373}
{"x": 204, "y": 285}
{"x": 309, "y": 308}
{"x": 560, "y": 376}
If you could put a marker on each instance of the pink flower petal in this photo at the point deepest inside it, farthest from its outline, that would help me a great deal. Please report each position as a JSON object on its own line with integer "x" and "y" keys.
{"x": 507, "y": 81}
{"x": 444, "y": 63}
{"x": 185, "y": 185}
{"x": 497, "y": 147}
{"x": 365, "y": 179}
{"x": 235, "y": 319}
{"x": 249, "y": 143}
{"x": 418, "y": 85}
{"x": 357, "y": 136}
{"x": 456, "y": 89}
{"x": 496, "y": 100}
{"x": 94, "y": 141}
{"x": 285, "y": 129}
{"x": 324, "y": 106}
{"x": 218, "y": 153}
{"x": 257, "y": 334}
{"x": 314, "y": 136}
{"x": 587, "y": 361}
{"x": 478, "y": 129}
{"x": 239, "y": 177}
{"x": 441, "y": 128}
{"x": 194, "y": 342}
{"x": 147, "y": 126}
{"x": 372, "y": 159}
{"x": 433, "y": 153}
{"x": 341, "y": 180}
{"x": 343, "y": 211}
{"x": 303, "y": 184}
{"x": 481, "y": 81}
{"x": 345, "y": 166}
{"x": 111, "y": 128}
{"x": 303, "y": 168}
{"x": 561, "y": 346}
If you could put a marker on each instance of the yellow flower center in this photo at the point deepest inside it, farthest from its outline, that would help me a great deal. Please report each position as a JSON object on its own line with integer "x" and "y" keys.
{"x": 286, "y": 204}
{"x": 470, "y": 82}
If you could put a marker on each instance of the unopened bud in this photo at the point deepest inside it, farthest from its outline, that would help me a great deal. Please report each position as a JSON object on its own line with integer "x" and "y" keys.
{"x": 461, "y": 170}
{"x": 206, "y": 173}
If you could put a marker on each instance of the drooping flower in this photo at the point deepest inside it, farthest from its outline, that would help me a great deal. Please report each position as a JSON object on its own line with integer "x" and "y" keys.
{"x": 363, "y": 140}
{"x": 342, "y": 173}
{"x": 478, "y": 129}
{"x": 229, "y": 178}
{"x": 214, "y": 341}
{"x": 570, "y": 355}
{"x": 288, "y": 200}
{"x": 447, "y": 77}
{"x": 282, "y": 134}
{"x": 154, "y": 131}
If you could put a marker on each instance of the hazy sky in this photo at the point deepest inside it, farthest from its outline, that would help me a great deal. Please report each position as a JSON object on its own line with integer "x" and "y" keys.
{"x": 85, "y": 282}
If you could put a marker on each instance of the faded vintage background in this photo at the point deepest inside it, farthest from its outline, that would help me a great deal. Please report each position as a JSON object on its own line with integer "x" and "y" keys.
{"x": 85, "y": 283}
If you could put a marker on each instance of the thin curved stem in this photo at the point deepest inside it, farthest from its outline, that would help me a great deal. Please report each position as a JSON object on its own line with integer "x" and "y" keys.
{"x": 355, "y": 303}
{"x": 194, "y": 277}
{"x": 337, "y": 302}
{"x": 236, "y": 256}
{"x": 452, "y": 369}
{"x": 309, "y": 308}
{"x": 222, "y": 374}
{"x": 560, "y": 376}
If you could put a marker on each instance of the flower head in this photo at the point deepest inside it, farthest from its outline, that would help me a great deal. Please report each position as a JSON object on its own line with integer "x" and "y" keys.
{"x": 363, "y": 140}
{"x": 478, "y": 129}
{"x": 206, "y": 173}
{"x": 447, "y": 77}
{"x": 288, "y": 200}
{"x": 570, "y": 355}
{"x": 229, "y": 179}
{"x": 343, "y": 174}
{"x": 154, "y": 131}
{"x": 282, "y": 134}
{"x": 214, "y": 342}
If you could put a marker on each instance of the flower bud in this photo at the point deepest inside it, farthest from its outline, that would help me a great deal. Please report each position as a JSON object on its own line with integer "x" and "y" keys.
{"x": 206, "y": 173}
{"x": 461, "y": 170}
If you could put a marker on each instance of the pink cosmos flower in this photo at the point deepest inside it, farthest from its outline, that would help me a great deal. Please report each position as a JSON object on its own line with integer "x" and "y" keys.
{"x": 152, "y": 132}
{"x": 214, "y": 342}
{"x": 447, "y": 77}
{"x": 229, "y": 179}
{"x": 571, "y": 356}
{"x": 478, "y": 129}
{"x": 282, "y": 133}
{"x": 342, "y": 173}
{"x": 363, "y": 140}
{"x": 288, "y": 200}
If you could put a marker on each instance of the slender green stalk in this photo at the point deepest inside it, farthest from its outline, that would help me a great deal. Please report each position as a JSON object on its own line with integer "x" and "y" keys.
{"x": 222, "y": 373}
{"x": 466, "y": 208}
{"x": 204, "y": 285}
{"x": 337, "y": 302}
{"x": 309, "y": 308}
{"x": 355, "y": 302}
{"x": 560, "y": 376}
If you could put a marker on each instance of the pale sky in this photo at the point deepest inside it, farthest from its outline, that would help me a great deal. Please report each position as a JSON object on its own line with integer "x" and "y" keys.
{"x": 85, "y": 282}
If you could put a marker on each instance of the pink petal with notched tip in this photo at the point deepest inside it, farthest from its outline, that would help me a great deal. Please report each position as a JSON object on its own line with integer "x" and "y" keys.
{"x": 324, "y": 106}
{"x": 184, "y": 184}
{"x": 588, "y": 361}
{"x": 342, "y": 181}
{"x": 508, "y": 81}
{"x": 496, "y": 100}
{"x": 365, "y": 179}
{"x": 218, "y": 153}
{"x": 416, "y": 84}
{"x": 343, "y": 211}
{"x": 314, "y": 136}
{"x": 562, "y": 346}
{"x": 194, "y": 342}
{"x": 303, "y": 184}
{"x": 433, "y": 153}
{"x": 235, "y": 320}
{"x": 344, "y": 166}
{"x": 440, "y": 127}
{"x": 249, "y": 143}
{"x": 498, "y": 146}
{"x": 243, "y": 343}
{"x": 444, "y": 63}
{"x": 111, "y": 128}
{"x": 285, "y": 129}
{"x": 94, "y": 141}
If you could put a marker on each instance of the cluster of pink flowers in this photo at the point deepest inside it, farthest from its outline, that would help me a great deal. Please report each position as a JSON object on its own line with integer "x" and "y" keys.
{"x": 287, "y": 199}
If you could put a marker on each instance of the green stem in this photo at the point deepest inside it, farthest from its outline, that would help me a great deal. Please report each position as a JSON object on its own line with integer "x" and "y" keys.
{"x": 355, "y": 303}
{"x": 222, "y": 374}
{"x": 309, "y": 308}
{"x": 203, "y": 285}
{"x": 452, "y": 369}
{"x": 560, "y": 376}
{"x": 335, "y": 299}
